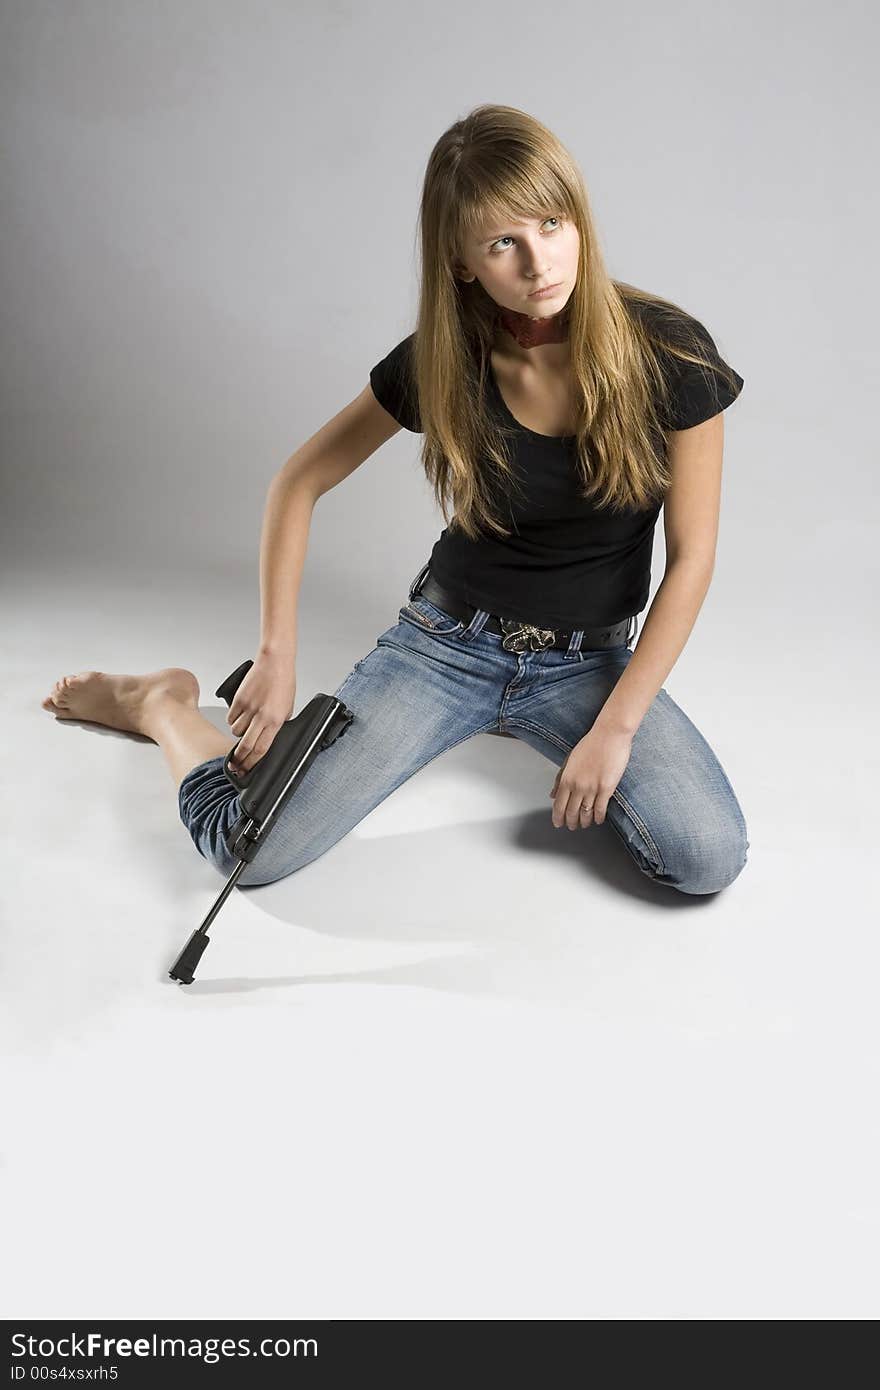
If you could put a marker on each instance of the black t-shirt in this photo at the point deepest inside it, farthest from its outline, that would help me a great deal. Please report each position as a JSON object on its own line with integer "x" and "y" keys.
{"x": 567, "y": 564}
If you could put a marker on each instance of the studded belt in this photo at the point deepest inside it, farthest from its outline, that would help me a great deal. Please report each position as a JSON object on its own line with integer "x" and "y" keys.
{"x": 520, "y": 636}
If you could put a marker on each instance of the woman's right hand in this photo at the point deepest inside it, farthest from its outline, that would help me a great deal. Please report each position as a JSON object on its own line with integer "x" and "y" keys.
{"x": 262, "y": 703}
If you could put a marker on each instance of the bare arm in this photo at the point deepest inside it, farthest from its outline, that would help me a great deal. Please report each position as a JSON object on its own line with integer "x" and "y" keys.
{"x": 283, "y": 545}
{"x": 588, "y": 778}
{"x": 690, "y": 515}
{"x": 337, "y": 449}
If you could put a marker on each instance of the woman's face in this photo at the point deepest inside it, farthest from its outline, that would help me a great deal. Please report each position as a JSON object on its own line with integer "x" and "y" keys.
{"x": 512, "y": 259}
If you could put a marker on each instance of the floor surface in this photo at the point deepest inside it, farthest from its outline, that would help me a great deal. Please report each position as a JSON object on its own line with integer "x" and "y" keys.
{"x": 462, "y": 1066}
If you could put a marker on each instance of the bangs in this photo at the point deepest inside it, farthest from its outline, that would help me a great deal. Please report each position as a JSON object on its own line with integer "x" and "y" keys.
{"x": 519, "y": 195}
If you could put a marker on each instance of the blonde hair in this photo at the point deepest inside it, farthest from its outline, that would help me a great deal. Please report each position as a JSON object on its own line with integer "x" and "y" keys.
{"x": 498, "y": 162}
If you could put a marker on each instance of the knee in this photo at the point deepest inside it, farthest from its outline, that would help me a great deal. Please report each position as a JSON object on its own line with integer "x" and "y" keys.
{"x": 706, "y": 865}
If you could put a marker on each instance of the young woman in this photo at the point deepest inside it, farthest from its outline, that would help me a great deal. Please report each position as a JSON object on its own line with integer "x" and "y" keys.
{"x": 560, "y": 409}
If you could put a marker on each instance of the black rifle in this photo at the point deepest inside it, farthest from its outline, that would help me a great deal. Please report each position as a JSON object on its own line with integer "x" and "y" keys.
{"x": 264, "y": 792}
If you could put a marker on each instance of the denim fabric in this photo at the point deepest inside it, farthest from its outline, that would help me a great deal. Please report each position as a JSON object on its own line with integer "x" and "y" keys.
{"x": 430, "y": 683}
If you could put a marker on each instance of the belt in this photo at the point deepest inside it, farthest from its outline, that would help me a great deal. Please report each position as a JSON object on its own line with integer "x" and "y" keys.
{"x": 519, "y": 636}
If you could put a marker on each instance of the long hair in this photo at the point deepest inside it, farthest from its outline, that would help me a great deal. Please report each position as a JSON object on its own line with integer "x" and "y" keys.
{"x": 497, "y": 162}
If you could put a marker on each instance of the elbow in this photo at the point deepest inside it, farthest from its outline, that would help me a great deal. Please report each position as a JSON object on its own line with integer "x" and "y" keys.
{"x": 295, "y": 475}
{"x": 698, "y": 567}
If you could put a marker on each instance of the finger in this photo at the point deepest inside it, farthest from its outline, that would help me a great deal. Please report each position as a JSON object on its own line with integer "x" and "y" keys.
{"x": 249, "y": 755}
{"x": 243, "y": 747}
{"x": 578, "y": 812}
{"x": 257, "y": 751}
{"x": 238, "y": 761}
{"x": 599, "y": 812}
{"x": 587, "y": 814}
{"x": 569, "y": 809}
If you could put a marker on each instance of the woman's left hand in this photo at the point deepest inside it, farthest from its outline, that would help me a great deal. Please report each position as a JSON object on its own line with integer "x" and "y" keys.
{"x": 588, "y": 776}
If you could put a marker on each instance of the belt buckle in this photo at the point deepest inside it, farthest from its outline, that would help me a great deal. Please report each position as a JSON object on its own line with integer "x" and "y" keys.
{"x": 525, "y": 636}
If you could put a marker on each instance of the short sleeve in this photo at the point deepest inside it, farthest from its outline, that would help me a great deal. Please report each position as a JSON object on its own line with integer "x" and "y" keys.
{"x": 394, "y": 388}
{"x": 696, "y": 392}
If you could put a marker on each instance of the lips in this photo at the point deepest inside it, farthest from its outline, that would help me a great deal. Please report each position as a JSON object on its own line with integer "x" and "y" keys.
{"x": 545, "y": 288}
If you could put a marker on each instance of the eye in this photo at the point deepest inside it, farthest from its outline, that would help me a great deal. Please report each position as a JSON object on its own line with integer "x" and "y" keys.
{"x": 492, "y": 251}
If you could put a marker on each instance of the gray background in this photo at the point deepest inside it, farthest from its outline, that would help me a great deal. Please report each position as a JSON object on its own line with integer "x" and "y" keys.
{"x": 503, "y": 1079}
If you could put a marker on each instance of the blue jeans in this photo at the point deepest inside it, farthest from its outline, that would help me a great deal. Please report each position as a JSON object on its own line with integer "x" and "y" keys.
{"x": 431, "y": 682}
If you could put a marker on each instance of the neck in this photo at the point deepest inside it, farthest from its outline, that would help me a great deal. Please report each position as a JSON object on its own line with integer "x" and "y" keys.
{"x": 529, "y": 332}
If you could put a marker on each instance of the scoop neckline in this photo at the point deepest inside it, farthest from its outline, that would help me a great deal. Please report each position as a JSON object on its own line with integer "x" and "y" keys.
{"x": 551, "y": 438}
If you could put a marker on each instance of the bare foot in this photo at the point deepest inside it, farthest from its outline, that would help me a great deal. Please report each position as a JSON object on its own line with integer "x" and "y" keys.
{"x": 120, "y": 702}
